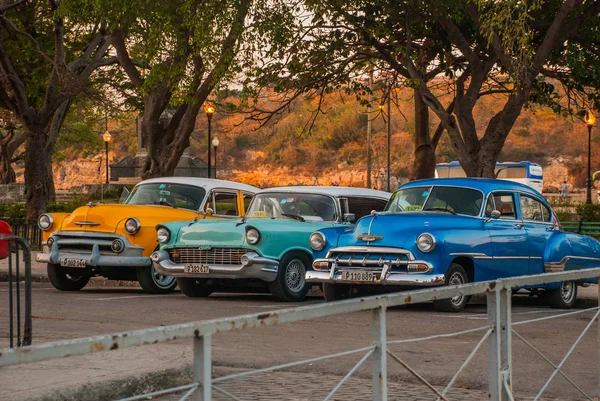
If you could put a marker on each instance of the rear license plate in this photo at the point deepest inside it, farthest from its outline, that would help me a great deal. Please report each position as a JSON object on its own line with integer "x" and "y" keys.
{"x": 358, "y": 276}
{"x": 192, "y": 268}
{"x": 73, "y": 262}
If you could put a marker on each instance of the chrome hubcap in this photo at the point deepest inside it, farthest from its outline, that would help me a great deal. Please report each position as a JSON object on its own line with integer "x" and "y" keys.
{"x": 162, "y": 281}
{"x": 457, "y": 279}
{"x": 567, "y": 291}
{"x": 294, "y": 275}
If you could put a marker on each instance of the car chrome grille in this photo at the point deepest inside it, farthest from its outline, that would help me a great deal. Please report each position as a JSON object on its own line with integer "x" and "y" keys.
{"x": 214, "y": 256}
{"x": 372, "y": 260}
{"x": 83, "y": 242}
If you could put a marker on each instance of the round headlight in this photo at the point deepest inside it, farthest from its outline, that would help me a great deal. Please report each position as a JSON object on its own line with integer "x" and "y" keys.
{"x": 426, "y": 242}
{"x": 252, "y": 236}
{"x": 163, "y": 235}
{"x": 45, "y": 222}
{"x": 117, "y": 246}
{"x": 317, "y": 241}
{"x": 132, "y": 225}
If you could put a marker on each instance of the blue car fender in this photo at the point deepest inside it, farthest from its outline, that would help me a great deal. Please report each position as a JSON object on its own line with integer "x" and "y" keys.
{"x": 332, "y": 235}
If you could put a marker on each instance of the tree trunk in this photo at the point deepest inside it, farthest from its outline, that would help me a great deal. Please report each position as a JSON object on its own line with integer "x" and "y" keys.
{"x": 7, "y": 173}
{"x": 424, "y": 163}
{"x": 39, "y": 182}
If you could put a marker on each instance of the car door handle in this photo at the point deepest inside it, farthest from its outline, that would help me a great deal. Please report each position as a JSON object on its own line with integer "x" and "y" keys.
{"x": 519, "y": 225}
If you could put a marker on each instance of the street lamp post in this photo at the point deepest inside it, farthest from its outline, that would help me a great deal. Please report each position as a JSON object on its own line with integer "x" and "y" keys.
{"x": 389, "y": 136}
{"x": 107, "y": 139}
{"x": 589, "y": 121}
{"x": 215, "y": 143}
{"x": 209, "y": 110}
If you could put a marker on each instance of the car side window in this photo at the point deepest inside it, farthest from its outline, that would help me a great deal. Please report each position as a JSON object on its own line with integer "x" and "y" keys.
{"x": 505, "y": 204}
{"x": 489, "y": 206}
{"x": 247, "y": 199}
{"x": 531, "y": 209}
{"x": 224, "y": 204}
{"x": 363, "y": 206}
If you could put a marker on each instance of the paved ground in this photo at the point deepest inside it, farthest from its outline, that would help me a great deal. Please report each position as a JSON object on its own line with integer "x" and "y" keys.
{"x": 102, "y": 309}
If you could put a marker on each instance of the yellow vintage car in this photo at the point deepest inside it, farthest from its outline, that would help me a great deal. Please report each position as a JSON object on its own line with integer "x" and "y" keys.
{"x": 116, "y": 240}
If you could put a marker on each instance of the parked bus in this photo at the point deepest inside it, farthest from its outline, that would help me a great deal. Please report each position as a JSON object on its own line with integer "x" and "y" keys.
{"x": 525, "y": 172}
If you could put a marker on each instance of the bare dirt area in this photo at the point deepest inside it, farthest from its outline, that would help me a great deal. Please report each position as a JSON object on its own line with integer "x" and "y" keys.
{"x": 105, "y": 310}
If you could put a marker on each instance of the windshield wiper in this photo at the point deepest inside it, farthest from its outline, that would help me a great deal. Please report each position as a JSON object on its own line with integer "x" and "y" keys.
{"x": 293, "y": 216}
{"x": 439, "y": 209}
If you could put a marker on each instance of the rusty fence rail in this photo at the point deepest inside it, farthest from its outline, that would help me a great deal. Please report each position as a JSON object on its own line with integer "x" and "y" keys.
{"x": 19, "y": 291}
{"x": 497, "y": 332}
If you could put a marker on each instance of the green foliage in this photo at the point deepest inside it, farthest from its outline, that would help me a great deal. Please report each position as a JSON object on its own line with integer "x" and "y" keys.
{"x": 589, "y": 212}
{"x": 510, "y": 21}
{"x": 17, "y": 210}
{"x": 12, "y": 210}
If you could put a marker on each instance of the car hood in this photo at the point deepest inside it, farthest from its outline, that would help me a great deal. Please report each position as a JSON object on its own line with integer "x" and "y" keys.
{"x": 232, "y": 233}
{"x": 394, "y": 229}
{"x": 108, "y": 218}
{"x": 211, "y": 232}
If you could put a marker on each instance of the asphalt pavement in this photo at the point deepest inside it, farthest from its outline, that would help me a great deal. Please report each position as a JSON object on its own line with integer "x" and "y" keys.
{"x": 103, "y": 308}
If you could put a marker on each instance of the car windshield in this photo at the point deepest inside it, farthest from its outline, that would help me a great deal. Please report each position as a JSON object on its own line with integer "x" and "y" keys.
{"x": 452, "y": 200}
{"x": 175, "y": 195}
{"x": 299, "y": 206}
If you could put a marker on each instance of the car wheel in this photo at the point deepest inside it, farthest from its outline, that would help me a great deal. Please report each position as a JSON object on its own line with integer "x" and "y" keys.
{"x": 154, "y": 283}
{"x": 196, "y": 288}
{"x": 290, "y": 284}
{"x": 456, "y": 275}
{"x": 563, "y": 297}
{"x": 65, "y": 280}
{"x": 336, "y": 292}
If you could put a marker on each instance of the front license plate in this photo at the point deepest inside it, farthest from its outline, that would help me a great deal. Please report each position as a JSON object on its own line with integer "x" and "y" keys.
{"x": 358, "y": 276}
{"x": 192, "y": 268}
{"x": 73, "y": 262}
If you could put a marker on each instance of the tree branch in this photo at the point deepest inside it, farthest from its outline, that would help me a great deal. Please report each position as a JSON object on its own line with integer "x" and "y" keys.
{"x": 124, "y": 59}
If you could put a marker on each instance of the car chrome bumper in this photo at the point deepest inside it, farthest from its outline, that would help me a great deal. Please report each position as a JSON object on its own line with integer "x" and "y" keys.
{"x": 381, "y": 263}
{"x": 255, "y": 266}
{"x": 130, "y": 256}
{"x": 404, "y": 279}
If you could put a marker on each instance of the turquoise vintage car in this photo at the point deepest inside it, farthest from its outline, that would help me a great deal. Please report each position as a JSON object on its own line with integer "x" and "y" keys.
{"x": 269, "y": 247}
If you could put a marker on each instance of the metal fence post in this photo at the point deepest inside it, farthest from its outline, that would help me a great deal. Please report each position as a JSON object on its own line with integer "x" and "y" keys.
{"x": 499, "y": 345}
{"x": 203, "y": 367}
{"x": 378, "y": 335}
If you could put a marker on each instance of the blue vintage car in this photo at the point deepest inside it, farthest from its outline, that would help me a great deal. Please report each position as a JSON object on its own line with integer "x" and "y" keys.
{"x": 266, "y": 248}
{"x": 451, "y": 231}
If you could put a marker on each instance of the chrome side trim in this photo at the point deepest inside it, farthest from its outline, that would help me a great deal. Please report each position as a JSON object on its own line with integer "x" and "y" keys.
{"x": 484, "y": 256}
{"x": 551, "y": 267}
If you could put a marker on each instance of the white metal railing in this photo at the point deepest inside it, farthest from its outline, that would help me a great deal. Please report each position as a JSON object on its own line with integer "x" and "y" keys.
{"x": 498, "y": 333}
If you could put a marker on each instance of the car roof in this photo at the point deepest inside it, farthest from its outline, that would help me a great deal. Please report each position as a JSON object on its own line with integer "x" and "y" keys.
{"x": 485, "y": 185}
{"x": 331, "y": 190}
{"x": 206, "y": 183}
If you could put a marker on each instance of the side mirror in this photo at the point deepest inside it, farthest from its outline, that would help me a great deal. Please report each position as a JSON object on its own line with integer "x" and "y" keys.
{"x": 209, "y": 211}
{"x": 124, "y": 195}
{"x": 349, "y": 217}
{"x": 494, "y": 215}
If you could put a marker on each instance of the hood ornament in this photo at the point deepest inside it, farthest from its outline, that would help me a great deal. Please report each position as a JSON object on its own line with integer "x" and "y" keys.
{"x": 369, "y": 237}
{"x": 86, "y": 223}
